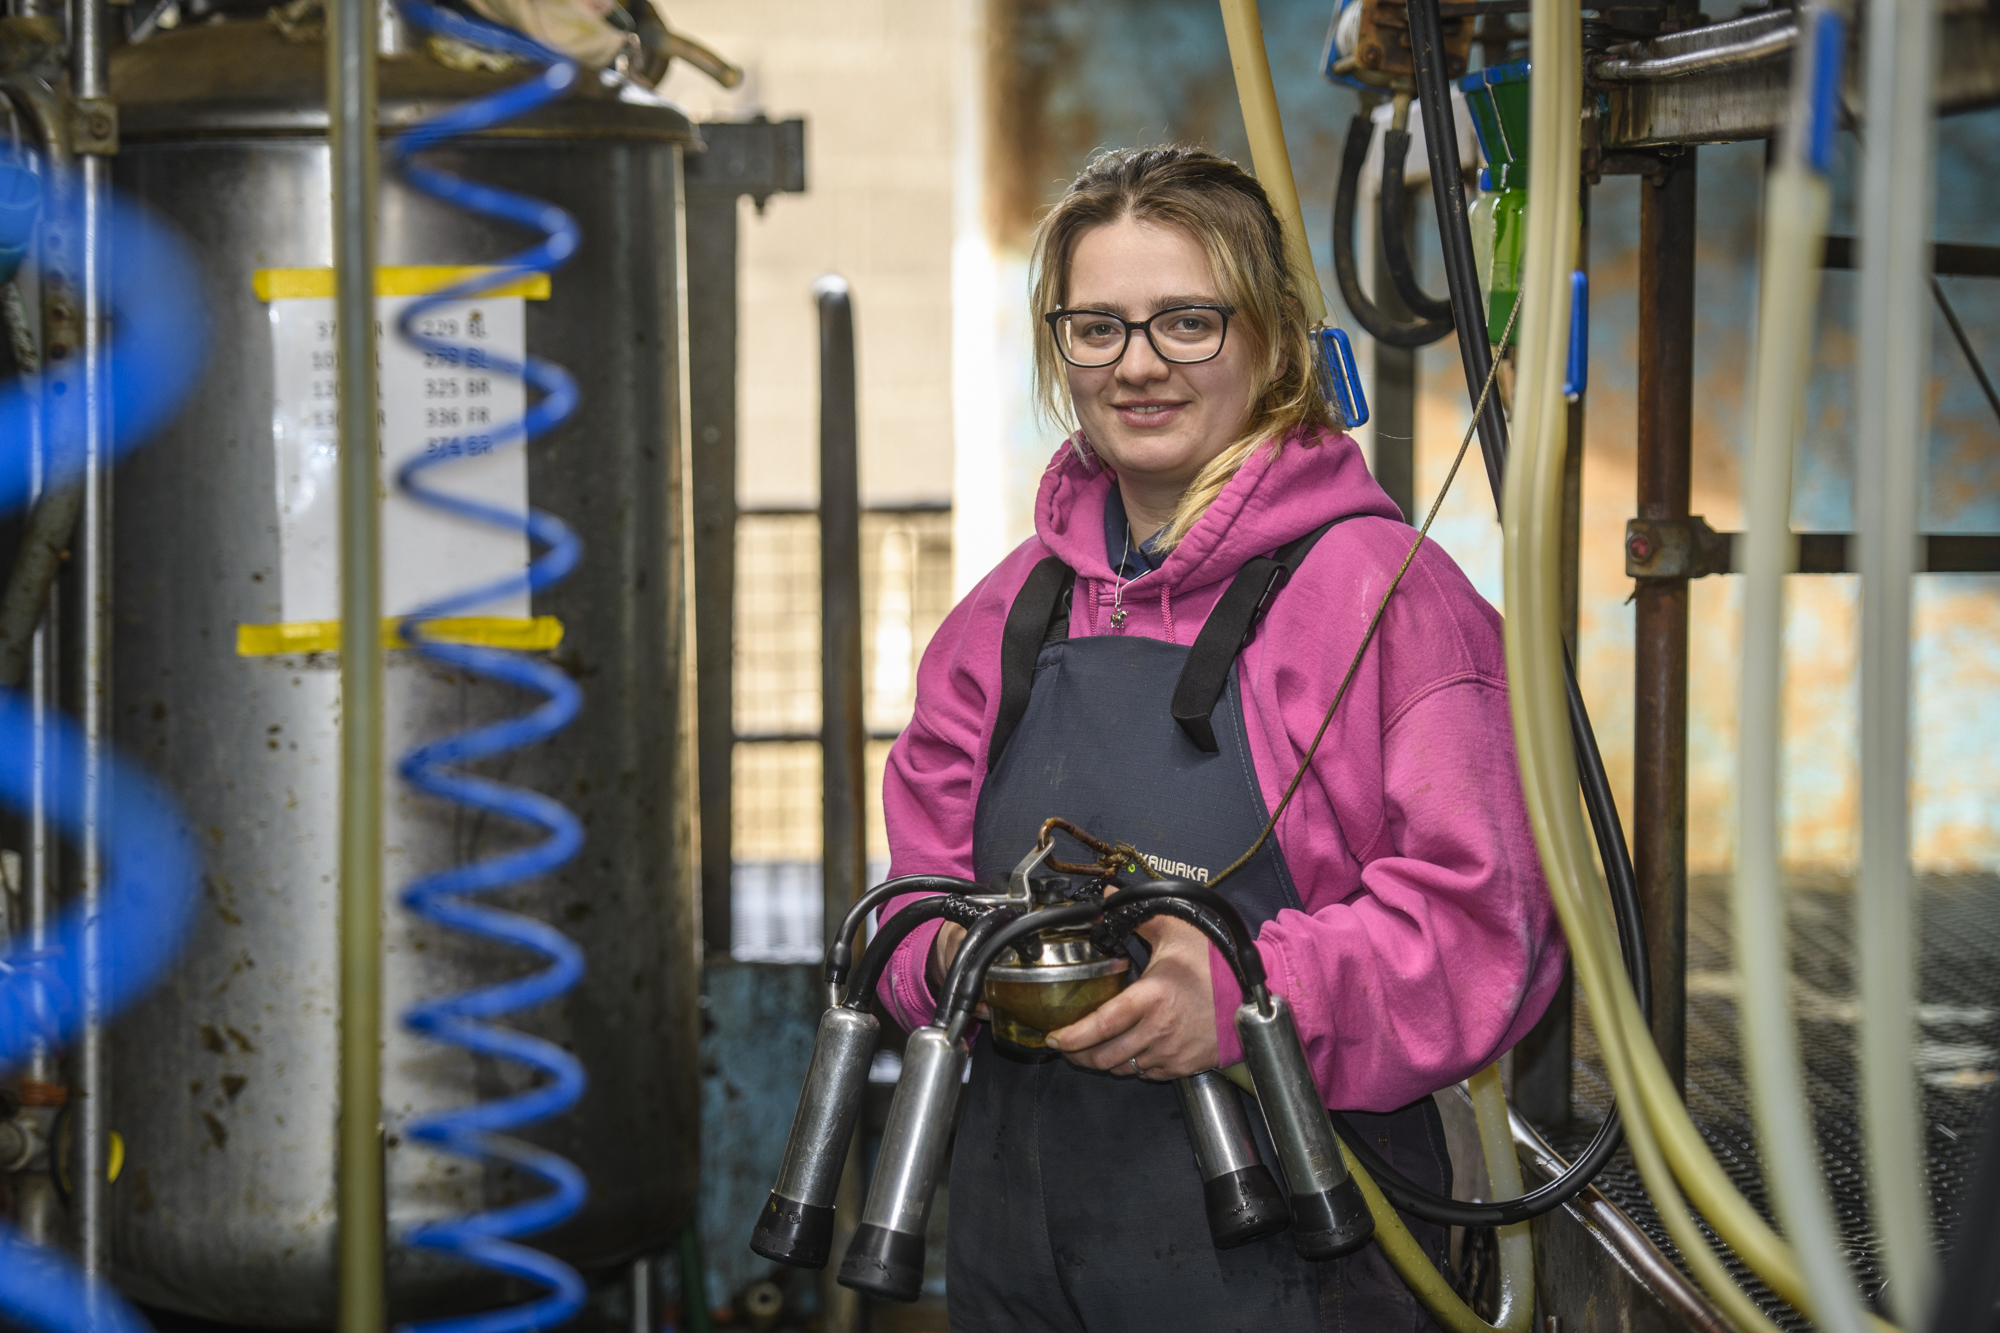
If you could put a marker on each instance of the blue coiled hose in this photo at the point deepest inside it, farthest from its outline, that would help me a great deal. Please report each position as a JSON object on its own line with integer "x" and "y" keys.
{"x": 159, "y": 337}
{"x": 152, "y": 868}
{"x": 466, "y": 1020}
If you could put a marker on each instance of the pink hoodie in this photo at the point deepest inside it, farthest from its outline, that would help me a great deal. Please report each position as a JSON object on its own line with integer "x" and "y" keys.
{"x": 1427, "y": 945}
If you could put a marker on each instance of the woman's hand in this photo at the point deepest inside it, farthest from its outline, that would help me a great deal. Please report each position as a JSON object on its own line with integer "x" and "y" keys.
{"x": 944, "y": 948}
{"x": 1165, "y": 1021}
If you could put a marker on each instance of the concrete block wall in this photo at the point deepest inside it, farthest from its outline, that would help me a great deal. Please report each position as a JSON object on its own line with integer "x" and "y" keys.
{"x": 872, "y": 78}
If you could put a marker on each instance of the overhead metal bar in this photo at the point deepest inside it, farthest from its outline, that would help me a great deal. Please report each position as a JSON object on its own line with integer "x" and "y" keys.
{"x": 1660, "y": 662}
{"x": 1948, "y": 260}
{"x": 1747, "y": 101}
{"x": 1659, "y": 550}
{"x": 757, "y": 157}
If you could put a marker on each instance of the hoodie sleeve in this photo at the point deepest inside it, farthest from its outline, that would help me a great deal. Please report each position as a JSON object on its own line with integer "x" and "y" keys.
{"x": 1427, "y": 944}
{"x": 930, "y": 786}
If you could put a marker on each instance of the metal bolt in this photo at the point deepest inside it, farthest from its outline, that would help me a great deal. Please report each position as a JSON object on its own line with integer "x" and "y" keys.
{"x": 100, "y": 125}
{"x": 1638, "y": 547}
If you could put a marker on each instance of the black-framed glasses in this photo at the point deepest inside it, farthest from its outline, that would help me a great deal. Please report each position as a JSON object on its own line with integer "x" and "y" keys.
{"x": 1184, "y": 335}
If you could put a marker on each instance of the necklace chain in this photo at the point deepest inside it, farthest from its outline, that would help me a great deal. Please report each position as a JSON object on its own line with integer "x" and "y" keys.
{"x": 1118, "y": 580}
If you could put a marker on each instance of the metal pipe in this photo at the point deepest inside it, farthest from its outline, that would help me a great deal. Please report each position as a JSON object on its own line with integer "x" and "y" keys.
{"x": 843, "y": 740}
{"x": 711, "y": 285}
{"x": 1329, "y": 1216}
{"x": 1640, "y": 68}
{"x": 644, "y": 1287}
{"x": 843, "y": 737}
{"x": 796, "y": 1226}
{"x": 1238, "y": 1192}
{"x": 37, "y": 1211}
{"x": 886, "y": 1258}
{"x": 90, "y": 77}
{"x": 1635, "y": 1250}
{"x": 51, "y": 522}
{"x": 50, "y": 525}
{"x": 350, "y": 77}
{"x": 1660, "y": 660}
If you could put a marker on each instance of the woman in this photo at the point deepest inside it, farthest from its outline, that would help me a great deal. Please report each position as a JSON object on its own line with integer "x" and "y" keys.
{"x": 1399, "y": 904}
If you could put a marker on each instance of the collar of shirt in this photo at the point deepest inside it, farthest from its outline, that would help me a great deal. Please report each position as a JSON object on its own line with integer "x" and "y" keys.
{"x": 1137, "y": 559}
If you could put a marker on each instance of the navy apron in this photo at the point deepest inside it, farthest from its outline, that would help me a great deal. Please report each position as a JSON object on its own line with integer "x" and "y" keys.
{"x": 1075, "y": 1203}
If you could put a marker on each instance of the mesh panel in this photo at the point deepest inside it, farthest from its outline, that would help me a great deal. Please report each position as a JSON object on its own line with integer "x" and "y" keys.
{"x": 1957, "y": 1054}
{"x": 905, "y": 595}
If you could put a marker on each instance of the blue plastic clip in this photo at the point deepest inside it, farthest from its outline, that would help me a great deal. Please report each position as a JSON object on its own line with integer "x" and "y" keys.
{"x": 1829, "y": 39}
{"x": 1339, "y": 380}
{"x": 1576, "y": 375}
{"x": 1330, "y": 55}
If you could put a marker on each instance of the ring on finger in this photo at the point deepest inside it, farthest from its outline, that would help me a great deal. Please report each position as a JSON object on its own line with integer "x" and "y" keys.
{"x": 1134, "y": 1062}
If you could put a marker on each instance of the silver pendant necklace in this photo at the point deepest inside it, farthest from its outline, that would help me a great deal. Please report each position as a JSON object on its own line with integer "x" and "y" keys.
{"x": 1118, "y": 580}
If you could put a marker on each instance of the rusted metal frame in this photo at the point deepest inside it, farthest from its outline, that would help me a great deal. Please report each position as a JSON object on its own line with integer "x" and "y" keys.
{"x": 1688, "y": 548}
{"x": 711, "y": 280}
{"x": 758, "y": 158}
{"x": 1660, "y": 654}
{"x": 34, "y": 57}
{"x": 52, "y": 521}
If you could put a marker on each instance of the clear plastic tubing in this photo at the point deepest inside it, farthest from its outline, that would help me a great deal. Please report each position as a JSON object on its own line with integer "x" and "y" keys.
{"x": 1798, "y": 197}
{"x": 1666, "y": 1146}
{"x": 1893, "y": 315}
{"x": 1503, "y": 1171}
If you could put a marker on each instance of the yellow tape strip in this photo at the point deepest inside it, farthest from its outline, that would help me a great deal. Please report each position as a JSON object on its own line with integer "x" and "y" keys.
{"x": 292, "y": 284}
{"x": 323, "y": 636}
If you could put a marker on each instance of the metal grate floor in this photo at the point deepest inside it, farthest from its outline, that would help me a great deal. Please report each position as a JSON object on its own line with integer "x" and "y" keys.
{"x": 1958, "y": 1054}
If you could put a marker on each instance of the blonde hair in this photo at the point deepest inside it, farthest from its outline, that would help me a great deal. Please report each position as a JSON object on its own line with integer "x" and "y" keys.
{"x": 1225, "y": 210}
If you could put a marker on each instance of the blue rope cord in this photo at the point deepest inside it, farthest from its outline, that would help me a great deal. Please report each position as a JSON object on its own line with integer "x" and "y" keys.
{"x": 466, "y": 1020}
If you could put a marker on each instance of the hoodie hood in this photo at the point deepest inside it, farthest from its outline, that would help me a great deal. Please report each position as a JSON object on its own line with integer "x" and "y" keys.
{"x": 1279, "y": 493}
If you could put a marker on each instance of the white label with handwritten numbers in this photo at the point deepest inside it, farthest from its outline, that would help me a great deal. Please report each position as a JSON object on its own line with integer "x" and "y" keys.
{"x": 432, "y": 403}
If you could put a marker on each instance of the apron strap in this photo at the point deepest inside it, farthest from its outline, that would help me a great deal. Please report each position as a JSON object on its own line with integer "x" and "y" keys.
{"x": 1228, "y": 628}
{"x": 1040, "y": 615}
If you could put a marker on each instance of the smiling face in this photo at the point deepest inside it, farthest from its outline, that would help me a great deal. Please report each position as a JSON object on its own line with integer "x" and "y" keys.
{"x": 1155, "y": 422}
